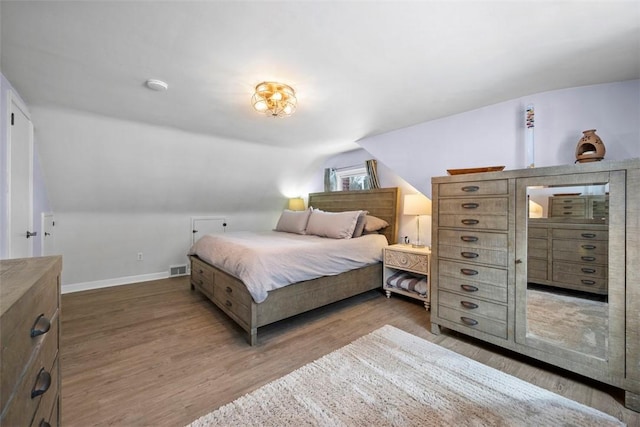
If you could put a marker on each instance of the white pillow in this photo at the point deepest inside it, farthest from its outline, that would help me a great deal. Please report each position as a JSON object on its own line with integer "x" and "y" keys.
{"x": 336, "y": 225}
{"x": 293, "y": 221}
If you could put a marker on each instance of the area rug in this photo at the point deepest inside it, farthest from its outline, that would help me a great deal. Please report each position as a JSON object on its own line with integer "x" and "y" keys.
{"x": 393, "y": 378}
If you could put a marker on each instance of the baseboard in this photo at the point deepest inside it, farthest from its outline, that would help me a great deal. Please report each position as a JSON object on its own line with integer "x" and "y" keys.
{"x": 118, "y": 281}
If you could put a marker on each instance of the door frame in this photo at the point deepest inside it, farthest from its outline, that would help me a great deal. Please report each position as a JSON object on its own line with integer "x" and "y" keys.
{"x": 44, "y": 229}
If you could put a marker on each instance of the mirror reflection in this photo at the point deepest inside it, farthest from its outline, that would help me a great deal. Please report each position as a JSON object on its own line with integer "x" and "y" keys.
{"x": 567, "y": 256}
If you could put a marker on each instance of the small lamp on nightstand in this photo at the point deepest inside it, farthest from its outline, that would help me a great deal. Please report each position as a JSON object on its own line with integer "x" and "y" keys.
{"x": 296, "y": 204}
{"x": 417, "y": 204}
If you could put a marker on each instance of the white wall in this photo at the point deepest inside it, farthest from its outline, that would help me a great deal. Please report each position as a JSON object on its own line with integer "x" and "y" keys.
{"x": 118, "y": 188}
{"x": 494, "y": 135}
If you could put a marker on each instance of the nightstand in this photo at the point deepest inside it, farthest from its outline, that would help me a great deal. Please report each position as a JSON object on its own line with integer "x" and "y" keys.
{"x": 407, "y": 268}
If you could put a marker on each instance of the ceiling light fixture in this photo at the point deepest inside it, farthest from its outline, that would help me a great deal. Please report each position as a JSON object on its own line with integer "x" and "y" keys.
{"x": 155, "y": 84}
{"x": 274, "y": 99}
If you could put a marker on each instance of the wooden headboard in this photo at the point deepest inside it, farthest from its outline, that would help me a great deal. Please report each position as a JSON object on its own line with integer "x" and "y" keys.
{"x": 383, "y": 203}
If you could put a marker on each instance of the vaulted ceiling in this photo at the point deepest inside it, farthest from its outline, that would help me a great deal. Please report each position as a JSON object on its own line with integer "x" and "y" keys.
{"x": 360, "y": 67}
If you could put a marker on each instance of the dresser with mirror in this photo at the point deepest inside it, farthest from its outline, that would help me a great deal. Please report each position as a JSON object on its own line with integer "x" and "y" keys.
{"x": 544, "y": 262}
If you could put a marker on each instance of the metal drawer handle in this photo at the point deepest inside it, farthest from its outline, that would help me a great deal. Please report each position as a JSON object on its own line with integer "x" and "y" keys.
{"x": 588, "y": 246}
{"x": 567, "y": 201}
{"x": 589, "y": 270}
{"x": 470, "y": 188}
{"x": 567, "y": 207}
{"x": 567, "y": 213}
{"x": 588, "y": 258}
{"x": 469, "y": 288}
{"x": 588, "y": 282}
{"x": 469, "y": 238}
{"x": 469, "y": 321}
{"x": 467, "y": 304}
{"x": 470, "y": 205}
{"x": 229, "y": 290}
{"x": 201, "y": 271}
{"x": 470, "y": 221}
{"x": 228, "y": 303}
{"x": 43, "y": 423}
{"x": 468, "y": 272}
{"x": 43, "y": 382}
{"x": 41, "y": 326}
{"x": 469, "y": 254}
{"x": 588, "y": 235}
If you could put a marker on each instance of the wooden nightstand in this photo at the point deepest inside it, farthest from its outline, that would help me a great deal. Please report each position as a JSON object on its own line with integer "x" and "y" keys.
{"x": 405, "y": 258}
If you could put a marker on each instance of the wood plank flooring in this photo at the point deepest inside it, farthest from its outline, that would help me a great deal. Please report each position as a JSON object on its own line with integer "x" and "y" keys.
{"x": 157, "y": 353}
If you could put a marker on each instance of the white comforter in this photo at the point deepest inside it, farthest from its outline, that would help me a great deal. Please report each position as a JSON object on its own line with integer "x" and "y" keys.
{"x": 270, "y": 260}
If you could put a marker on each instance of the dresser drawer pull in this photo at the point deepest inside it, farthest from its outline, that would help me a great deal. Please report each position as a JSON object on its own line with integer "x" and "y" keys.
{"x": 228, "y": 303}
{"x": 588, "y": 282}
{"x": 468, "y": 272}
{"x": 470, "y": 188}
{"x": 588, "y": 258}
{"x": 567, "y": 207}
{"x": 588, "y": 270}
{"x": 469, "y": 288}
{"x": 588, "y": 247}
{"x": 467, "y": 304}
{"x": 567, "y": 213}
{"x": 43, "y": 423}
{"x": 469, "y": 238}
{"x": 469, "y": 254}
{"x": 470, "y": 205}
{"x": 567, "y": 201}
{"x": 470, "y": 221}
{"x": 43, "y": 382}
{"x": 41, "y": 326}
{"x": 201, "y": 271}
{"x": 588, "y": 235}
{"x": 228, "y": 290}
{"x": 469, "y": 321}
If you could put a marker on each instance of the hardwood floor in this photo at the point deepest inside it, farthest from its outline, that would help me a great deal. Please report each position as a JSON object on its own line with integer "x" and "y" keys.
{"x": 157, "y": 353}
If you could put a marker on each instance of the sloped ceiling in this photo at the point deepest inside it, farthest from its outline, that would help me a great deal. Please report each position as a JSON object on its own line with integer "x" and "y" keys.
{"x": 360, "y": 68}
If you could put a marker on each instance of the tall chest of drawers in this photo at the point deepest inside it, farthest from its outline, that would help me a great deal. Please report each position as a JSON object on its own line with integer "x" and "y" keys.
{"x": 561, "y": 289}
{"x": 471, "y": 245}
{"x": 29, "y": 341}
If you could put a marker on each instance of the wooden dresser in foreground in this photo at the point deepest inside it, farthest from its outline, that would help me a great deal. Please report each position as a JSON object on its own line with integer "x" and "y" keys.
{"x": 29, "y": 341}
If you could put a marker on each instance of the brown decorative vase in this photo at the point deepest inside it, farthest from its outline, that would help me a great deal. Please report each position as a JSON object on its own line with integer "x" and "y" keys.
{"x": 590, "y": 147}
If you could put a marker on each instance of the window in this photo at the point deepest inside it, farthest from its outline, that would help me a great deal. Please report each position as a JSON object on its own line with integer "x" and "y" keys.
{"x": 352, "y": 178}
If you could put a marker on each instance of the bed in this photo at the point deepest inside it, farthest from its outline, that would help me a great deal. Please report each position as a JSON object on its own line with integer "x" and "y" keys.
{"x": 232, "y": 296}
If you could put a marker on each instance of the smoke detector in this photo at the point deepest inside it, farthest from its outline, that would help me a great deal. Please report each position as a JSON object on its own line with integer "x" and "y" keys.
{"x": 158, "y": 85}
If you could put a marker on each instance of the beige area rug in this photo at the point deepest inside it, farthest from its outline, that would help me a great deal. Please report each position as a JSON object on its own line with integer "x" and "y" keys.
{"x": 571, "y": 322}
{"x": 392, "y": 378}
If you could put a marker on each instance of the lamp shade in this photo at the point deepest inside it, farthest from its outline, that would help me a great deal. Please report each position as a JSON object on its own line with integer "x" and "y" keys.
{"x": 417, "y": 204}
{"x": 296, "y": 204}
{"x": 535, "y": 209}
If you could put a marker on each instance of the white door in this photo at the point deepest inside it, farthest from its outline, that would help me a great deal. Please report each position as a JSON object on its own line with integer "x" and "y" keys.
{"x": 48, "y": 234}
{"x": 206, "y": 225}
{"x": 20, "y": 159}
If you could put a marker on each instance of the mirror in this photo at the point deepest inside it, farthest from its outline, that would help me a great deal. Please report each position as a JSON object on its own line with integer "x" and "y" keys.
{"x": 567, "y": 254}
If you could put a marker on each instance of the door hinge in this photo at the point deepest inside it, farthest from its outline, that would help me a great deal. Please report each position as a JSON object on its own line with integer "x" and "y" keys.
{"x": 12, "y": 119}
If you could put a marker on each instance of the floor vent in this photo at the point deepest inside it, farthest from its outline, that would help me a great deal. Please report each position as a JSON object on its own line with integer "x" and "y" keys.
{"x": 178, "y": 270}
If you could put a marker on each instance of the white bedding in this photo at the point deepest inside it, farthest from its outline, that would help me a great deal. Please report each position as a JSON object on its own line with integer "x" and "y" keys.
{"x": 269, "y": 260}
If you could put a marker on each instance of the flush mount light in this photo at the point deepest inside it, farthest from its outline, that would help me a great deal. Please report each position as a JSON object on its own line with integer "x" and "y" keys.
{"x": 274, "y": 99}
{"x": 158, "y": 85}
